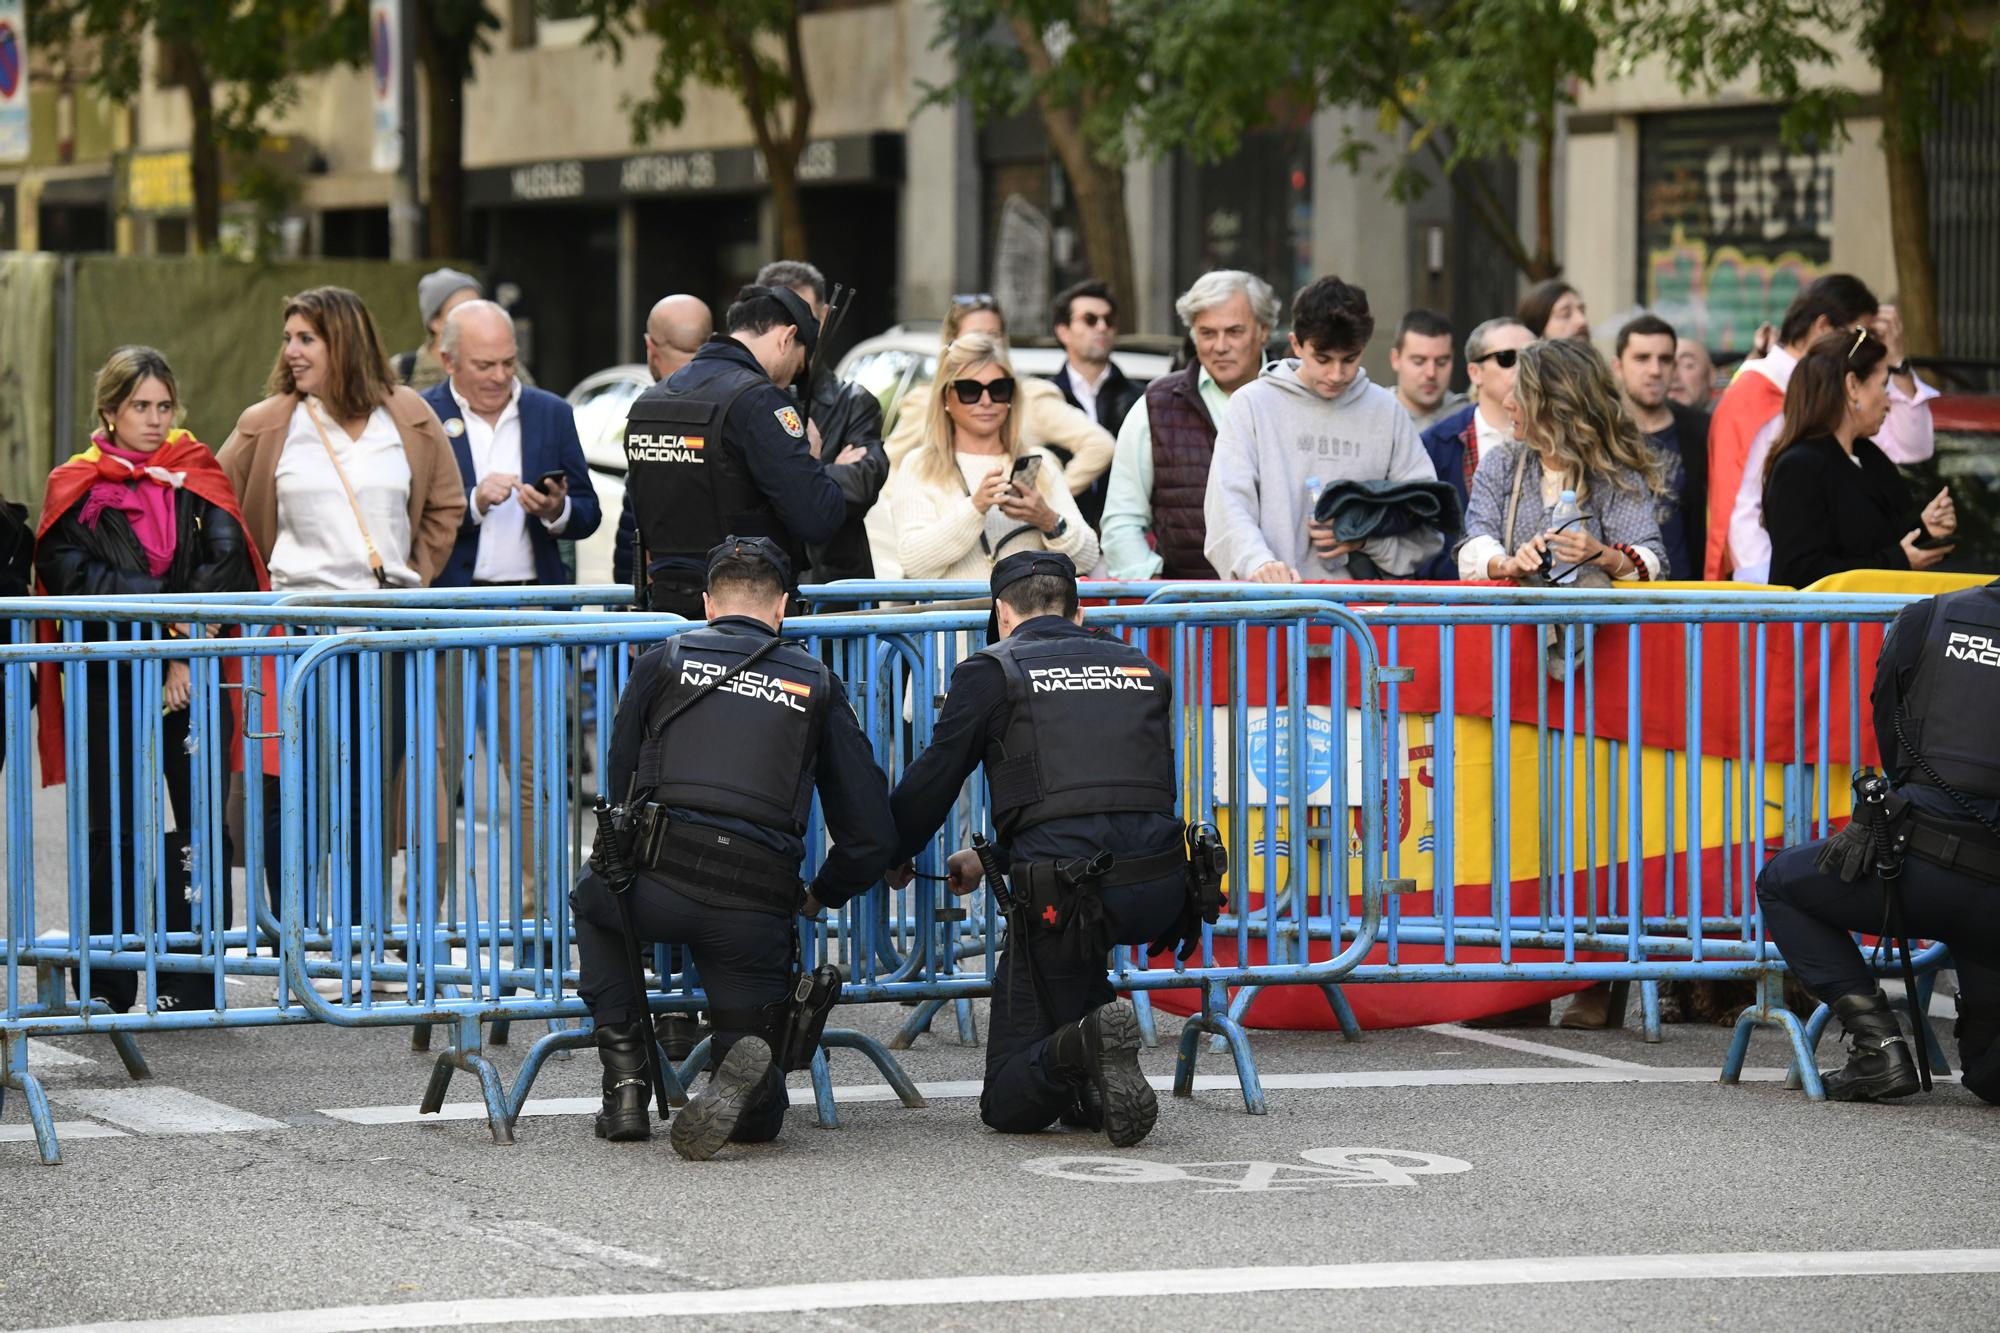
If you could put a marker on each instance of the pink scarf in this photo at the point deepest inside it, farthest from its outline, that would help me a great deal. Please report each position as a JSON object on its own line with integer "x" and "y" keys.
{"x": 144, "y": 493}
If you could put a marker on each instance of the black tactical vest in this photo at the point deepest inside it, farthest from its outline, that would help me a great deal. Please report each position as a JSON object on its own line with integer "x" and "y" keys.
{"x": 748, "y": 748}
{"x": 1952, "y": 712}
{"x": 690, "y": 487}
{"x": 1089, "y": 731}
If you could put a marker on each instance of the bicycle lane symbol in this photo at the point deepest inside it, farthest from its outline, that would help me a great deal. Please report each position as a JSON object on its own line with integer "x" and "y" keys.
{"x": 1326, "y": 1168}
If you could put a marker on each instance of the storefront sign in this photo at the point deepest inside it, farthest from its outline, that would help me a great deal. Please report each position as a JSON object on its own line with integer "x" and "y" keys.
{"x": 159, "y": 182}
{"x": 699, "y": 171}
{"x": 1732, "y": 222}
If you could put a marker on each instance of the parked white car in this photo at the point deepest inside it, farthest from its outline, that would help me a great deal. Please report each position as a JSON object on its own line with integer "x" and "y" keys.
{"x": 601, "y": 402}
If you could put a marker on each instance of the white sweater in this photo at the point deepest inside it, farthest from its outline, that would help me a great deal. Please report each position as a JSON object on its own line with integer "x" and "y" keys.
{"x": 938, "y": 528}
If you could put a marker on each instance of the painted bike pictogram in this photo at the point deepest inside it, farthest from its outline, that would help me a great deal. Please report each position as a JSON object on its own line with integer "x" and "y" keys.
{"x": 1327, "y": 1168}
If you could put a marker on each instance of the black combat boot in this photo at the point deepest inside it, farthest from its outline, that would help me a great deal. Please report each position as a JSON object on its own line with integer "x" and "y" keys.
{"x": 707, "y": 1121}
{"x": 626, "y": 1117}
{"x": 1085, "y": 1109}
{"x": 1978, "y": 1033}
{"x": 1103, "y": 1048}
{"x": 1879, "y": 1065}
{"x": 679, "y": 1034}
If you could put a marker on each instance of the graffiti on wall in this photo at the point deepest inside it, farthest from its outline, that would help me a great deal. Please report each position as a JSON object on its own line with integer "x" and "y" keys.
{"x": 1732, "y": 224}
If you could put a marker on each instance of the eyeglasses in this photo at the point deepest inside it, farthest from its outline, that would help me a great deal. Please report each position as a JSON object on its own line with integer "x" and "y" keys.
{"x": 1090, "y": 319}
{"x": 970, "y": 391}
{"x": 1504, "y": 358}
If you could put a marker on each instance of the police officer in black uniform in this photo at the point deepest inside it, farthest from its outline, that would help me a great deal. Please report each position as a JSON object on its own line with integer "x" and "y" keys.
{"x": 724, "y": 788}
{"x": 1075, "y": 730}
{"x": 1922, "y": 859}
{"x": 719, "y": 448}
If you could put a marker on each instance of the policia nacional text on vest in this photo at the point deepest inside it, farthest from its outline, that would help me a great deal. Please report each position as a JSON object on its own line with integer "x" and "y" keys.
{"x": 691, "y": 483}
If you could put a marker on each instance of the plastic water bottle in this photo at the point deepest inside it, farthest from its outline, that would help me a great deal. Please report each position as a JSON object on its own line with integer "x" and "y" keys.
{"x": 1566, "y": 516}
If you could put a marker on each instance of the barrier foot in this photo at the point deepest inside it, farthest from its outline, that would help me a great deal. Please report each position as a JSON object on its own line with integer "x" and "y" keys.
{"x": 1620, "y": 1000}
{"x": 822, "y": 1084}
{"x": 420, "y": 1038}
{"x": 878, "y": 1055}
{"x": 1815, "y": 1028}
{"x": 1770, "y": 1010}
{"x": 1649, "y": 1009}
{"x": 968, "y": 1027}
{"x": 130, "y": 1056}
{"x": 14, "y": 1074}
{"x": 1142, "y": 1005}
{"x": 690, "y": 1069}
{"x": 1343, "y": 1012}
{"x": 464, "y": 1053}
{"x": 1238, "y": 1009}
{"x": 1215, "y": 1021}
{"x": 918, "y": 1023}
{"x": 1926, "y": 984}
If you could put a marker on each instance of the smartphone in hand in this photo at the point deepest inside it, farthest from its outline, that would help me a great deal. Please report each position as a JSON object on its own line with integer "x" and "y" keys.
{"x": 545, "y": 483}
{"x": 1026, "y": 469}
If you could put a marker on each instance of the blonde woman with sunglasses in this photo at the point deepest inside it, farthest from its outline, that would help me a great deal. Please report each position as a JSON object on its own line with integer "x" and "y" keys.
{"x": 972, "y": 492}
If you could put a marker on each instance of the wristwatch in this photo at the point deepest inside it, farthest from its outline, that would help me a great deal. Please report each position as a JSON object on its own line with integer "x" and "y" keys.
{"x": 1901, "y": 368}
{"x": 1062, "y": 526}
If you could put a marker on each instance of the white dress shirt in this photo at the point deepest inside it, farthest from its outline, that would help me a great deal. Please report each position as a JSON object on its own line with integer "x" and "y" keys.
{"x": 1084, "y": 389}
{"x": 319, "y": 545}
{"x": 505, "y": 553}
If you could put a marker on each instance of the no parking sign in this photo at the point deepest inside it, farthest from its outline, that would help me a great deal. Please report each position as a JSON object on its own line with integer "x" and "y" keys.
{"x": 14, "y": 137}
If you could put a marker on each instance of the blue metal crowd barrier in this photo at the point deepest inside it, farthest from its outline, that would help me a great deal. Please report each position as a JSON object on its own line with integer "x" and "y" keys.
{"x": 1324, "y": 889}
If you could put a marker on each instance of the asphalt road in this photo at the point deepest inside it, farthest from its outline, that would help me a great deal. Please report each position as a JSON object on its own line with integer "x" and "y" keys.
{"x": 256, "y": 1199}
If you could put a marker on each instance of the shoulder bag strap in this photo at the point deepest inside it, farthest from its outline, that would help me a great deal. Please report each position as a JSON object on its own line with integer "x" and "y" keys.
{"x": 374, "y": 556}
{"x": 1514, "y": 501}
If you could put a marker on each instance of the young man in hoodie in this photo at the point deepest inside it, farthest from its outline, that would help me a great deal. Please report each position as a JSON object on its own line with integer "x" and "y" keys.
{"x": 1307, "y": 422}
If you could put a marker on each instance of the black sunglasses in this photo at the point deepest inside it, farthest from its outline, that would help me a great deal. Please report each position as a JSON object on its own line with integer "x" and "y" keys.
{"x": 1504, "y": 358}
{"x": 1091, "y": 319}
{"x": 969, "y": 391}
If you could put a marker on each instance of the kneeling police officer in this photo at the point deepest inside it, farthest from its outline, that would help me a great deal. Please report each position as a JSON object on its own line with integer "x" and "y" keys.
{"x": 1919, "y": 857}
{"x": 720, "y": 740}
{"x": 1075, "y": 730}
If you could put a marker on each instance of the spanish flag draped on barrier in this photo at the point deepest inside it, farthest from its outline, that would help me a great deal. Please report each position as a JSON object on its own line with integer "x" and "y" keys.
{"x": 1805, "y": 669}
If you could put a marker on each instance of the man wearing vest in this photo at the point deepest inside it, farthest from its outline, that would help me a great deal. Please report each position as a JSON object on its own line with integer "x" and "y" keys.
{"x": 1752, "y": 408}
{"x": 1939, "y": 736}
{"x": 1075, "y": 731}
{"x": 1152, "y": 524}
{"x": 723, "y": 791}
{"x": 720, "y": 448}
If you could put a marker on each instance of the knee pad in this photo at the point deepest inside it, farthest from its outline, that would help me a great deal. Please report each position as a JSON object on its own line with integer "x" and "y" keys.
{"x": 1978, "y": 1033}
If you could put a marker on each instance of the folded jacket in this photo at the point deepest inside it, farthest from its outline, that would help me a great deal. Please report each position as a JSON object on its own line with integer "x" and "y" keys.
{"x": 1360, "y": 510}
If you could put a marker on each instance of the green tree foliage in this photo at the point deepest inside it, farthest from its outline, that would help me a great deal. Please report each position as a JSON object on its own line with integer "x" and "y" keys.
{"x": 1926, "y": 51}
{"x": 237, "y": 62}
{"x": 754, "y": 49}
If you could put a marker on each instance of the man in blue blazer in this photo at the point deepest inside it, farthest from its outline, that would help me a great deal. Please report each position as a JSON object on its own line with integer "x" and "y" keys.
{"x": 527, "y": 488}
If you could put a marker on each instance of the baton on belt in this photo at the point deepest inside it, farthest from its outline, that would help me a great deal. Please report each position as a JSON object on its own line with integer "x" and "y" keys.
{"x": 1016, "y": 913}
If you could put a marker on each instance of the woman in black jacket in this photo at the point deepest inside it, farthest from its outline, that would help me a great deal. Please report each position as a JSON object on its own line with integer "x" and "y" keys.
{"x": 1832, "y": 500}
{"x": 143, "y": 511}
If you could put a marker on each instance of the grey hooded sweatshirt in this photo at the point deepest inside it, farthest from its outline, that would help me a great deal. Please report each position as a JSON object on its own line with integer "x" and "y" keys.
{"x": 1278, "y": 435}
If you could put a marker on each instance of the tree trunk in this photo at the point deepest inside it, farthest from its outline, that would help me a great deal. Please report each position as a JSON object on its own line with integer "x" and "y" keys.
{"x": 789, "y": 210}
{"x": 1910, "y": 208}
{"x": 204, "y": 155}
{"x": 446, "y": 58}
{"x": 1543, "y": 265}
{"x": 1099, "y": 185}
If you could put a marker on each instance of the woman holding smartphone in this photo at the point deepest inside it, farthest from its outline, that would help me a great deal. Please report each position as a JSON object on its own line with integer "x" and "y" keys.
{"x": 1832, "y": 500}
{"x": 972, "y": 493}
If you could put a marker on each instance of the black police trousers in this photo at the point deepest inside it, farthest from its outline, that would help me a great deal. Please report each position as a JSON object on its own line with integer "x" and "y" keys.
{"x": 744, "y": 956}
{"x": 1021, "y": 1095}
{"x": 1810, "y": 916}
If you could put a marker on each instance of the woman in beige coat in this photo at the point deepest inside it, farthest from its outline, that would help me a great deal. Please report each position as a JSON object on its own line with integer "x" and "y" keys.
{"x": 348, "y": 484}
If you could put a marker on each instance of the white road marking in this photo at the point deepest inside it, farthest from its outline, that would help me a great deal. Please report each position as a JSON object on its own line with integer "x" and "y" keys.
{"x": 65, "y": 1129}
{"x": 1459, "y": 1032}
{"x": 1016, "y": 1289}
{"x": 965, "y": 1089}
{"x": 41, "y": 1053}
{"x": 162, "y": 1110}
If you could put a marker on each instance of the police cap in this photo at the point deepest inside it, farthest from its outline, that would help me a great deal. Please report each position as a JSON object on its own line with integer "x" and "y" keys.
{"x": 760, "y": 548}
{"x": 1027, "y": 564}
{"x": 801, "y": 314}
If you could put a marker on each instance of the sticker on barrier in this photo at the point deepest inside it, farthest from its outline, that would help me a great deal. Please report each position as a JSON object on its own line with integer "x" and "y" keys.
{"x": 1327, "y": 1168}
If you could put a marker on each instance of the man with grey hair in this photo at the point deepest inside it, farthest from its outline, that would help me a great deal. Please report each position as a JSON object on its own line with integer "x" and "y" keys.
{"x": 844, "y": 429}
{"x": 527, "y": 489}
{"x": 1153, "y": 525}
{"x": 1457, "y": 442}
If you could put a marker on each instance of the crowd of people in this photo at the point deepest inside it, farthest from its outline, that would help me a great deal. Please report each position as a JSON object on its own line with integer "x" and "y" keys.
{"x": 445, "y": 466}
